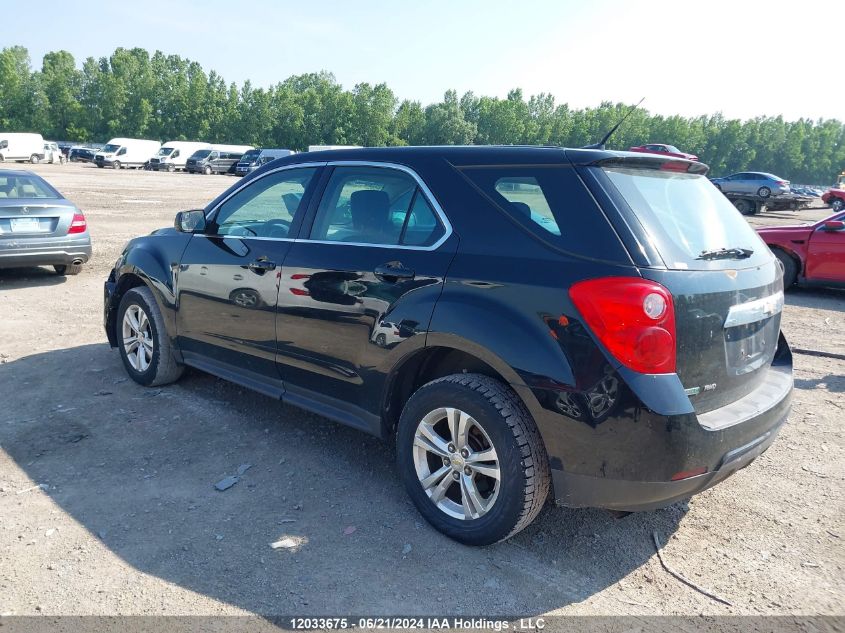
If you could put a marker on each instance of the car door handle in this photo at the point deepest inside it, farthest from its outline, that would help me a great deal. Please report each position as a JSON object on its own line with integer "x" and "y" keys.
{"x": 393, "y": 272}
{"x": 261, "y": 265}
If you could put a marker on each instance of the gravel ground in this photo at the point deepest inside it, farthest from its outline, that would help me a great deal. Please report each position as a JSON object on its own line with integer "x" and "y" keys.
{"x": 107, "y": 503}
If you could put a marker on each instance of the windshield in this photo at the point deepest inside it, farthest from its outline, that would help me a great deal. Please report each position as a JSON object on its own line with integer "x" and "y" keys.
{"x": 250, "y": 156}
{"x": 110, "y": 148}
{"x": 25, "y": 187}
{"x": 688, "y": 219}
{"x": 201, "y": 153}
{"x": 165, "y": 151}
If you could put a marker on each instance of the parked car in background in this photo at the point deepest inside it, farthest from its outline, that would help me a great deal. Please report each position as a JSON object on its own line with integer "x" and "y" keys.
{"x": 625, "y": 376}
{"x": 174, "y": 155}
{"x": 81, "y": 154}
{"x": 21, "y": 147}
{"x": 218, "y": 159}
{"x": 255, "y": 158}
{"x": 121, "y": 153}
{"x": 52, "y": 153}
{"x": 664, "y": 150}
{"x": 835, "y": 199}
{"x": 811, "y": 254}
{"x": 39, "y": 226}
{"x": 323, "y": 148}
{"x": 756, "y": 183}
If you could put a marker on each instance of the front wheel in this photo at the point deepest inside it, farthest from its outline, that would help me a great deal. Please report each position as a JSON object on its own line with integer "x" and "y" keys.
{"x": 472, "y": 459}
{"x": 116, "y": 164}
{"x": 764, "y": 192}
{"x": 144, "y": 344}
{"x": 837, "y": 205}
{"x": 207, "y": 170}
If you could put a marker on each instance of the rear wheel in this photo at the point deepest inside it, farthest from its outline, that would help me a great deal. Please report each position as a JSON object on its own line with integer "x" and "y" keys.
{"x": 837, "y": 205}
{"x": 764, "y": 192}
{"x": 745, "y": 207}
{"x": 472, "y": 459}
{"x": 68, "y": 269}
{"x": 34, "y": 159}
{"x": 789, "y": 265}
{"x": 143, "y": 340}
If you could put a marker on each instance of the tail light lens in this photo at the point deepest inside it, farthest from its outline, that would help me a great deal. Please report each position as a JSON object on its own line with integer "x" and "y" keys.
{"x": 78, "y": 224}
{"x": 633, "y": 318}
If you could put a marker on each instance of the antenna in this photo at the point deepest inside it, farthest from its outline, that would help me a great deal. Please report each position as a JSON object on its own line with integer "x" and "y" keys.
{"x": 601, "y": 143}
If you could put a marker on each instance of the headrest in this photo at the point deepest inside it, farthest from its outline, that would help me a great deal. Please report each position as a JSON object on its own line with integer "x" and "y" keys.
{"x": 370, "y": 209}
{"x": 522, "y": 209}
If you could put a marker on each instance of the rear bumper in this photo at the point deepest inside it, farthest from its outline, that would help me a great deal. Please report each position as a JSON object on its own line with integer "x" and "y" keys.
{"x": 637, "y": 459}
{"x": 44, "y": 251}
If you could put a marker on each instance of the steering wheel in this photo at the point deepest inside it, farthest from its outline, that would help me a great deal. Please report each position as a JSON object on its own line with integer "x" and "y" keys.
{"x": 277, "y": 227}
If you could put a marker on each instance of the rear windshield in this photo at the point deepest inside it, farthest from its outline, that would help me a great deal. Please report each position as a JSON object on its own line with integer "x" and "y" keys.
{"x": 25, "y": 187}
{"x": 553, "y": 204}
{"x": 688, "y": 219}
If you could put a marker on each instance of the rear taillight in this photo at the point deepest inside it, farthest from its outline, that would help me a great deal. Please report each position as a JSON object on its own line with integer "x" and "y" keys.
{"x": 633, "y": 318}
{"x": 78, "y": 224}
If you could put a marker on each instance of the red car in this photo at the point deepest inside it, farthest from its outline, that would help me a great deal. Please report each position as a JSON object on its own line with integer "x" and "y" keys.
{"x": 812, "y": 254}
{"x": 835, "y": 199}
{"x": 665, "y": 150}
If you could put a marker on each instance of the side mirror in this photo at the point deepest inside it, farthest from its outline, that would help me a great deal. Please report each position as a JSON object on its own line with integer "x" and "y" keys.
{"x": 192, "y": 221}
{"x": 833, "y": 225}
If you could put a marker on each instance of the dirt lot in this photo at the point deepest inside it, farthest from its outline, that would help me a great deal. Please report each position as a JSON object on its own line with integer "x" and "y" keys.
{"x": 107, "y": 504}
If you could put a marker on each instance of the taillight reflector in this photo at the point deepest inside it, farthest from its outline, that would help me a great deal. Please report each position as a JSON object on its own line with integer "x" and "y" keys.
{"x": 633, "y": 318}
{"x": 78, "y": 224}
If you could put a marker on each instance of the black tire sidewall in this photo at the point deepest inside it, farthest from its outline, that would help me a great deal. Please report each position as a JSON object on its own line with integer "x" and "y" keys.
{"x": 147, "y": 377}
{"x": 790, "y": 268}
{"x": 501, "y": 519}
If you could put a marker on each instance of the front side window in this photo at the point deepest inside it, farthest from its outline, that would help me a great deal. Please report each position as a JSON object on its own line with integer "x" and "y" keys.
{"x": 375, "y": 205}
{"x": 265, "y": 207}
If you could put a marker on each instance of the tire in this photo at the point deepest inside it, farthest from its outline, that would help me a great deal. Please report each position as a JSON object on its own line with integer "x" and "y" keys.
{"x": 116, "y": 164}
{"x": 745, "y": 207}
{"x": 100, "y": 165}
{"x": 381, "y": 340}
{"x": 790, "y": 267}
{"x": 171, "y": 168}
{"x": 68, "y": 269}
{"x": 764, "y": 192}
{"x": 149, "y": 363}
{"x": 837, "y": 205}
{"x": 34, "y": 159}
{"x": 496, "y": 419}
{"x": 207, "y": 170}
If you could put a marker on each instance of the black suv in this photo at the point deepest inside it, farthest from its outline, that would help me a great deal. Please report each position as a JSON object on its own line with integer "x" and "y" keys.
{"x": 517, "y": 318}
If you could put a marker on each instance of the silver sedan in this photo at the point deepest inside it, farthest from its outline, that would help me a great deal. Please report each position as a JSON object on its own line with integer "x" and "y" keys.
{"x": 39, "y": 226}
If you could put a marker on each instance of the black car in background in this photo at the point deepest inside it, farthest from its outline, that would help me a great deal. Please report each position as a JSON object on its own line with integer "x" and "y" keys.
{"x": 602, "y": 323}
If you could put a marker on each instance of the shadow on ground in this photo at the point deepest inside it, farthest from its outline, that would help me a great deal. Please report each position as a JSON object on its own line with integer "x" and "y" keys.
{"x": 14, "y": 278}
{"x": 136, "y": 468}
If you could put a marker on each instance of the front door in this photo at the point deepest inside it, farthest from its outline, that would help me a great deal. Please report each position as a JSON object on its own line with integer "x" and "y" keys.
{"x": 363, "y": 282}
{"x": 228, "y": 279}
{"x": 826, "y": 254}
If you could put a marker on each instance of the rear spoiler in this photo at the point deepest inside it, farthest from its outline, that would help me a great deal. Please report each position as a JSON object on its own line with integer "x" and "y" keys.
{"x": 633, "y": 160}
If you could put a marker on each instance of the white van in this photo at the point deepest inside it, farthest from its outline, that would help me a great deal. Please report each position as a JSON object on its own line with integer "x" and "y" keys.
{"x": 174, "y": 154}
{"x": 21, "y": 146}
{"x": 321, "y": 148}
{"x": 126, "y": 152}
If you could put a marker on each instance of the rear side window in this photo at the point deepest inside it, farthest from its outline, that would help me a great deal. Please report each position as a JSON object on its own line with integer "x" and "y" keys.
{"x": 553, "y": 204}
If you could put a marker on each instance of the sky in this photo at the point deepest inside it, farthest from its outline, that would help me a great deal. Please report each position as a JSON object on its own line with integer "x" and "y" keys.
{"x": 743, "y": 58}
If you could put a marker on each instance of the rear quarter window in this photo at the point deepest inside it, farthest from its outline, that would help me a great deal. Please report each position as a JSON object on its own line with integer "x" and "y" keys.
{"x": 551, "y": 203}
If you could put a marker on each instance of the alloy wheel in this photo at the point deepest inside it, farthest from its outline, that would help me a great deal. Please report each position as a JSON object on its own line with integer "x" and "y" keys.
{"x": 456, "y": 463}
{"x": 137, "y": 338}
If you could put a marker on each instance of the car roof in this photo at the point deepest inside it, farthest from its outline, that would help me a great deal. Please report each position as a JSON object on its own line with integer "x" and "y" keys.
{"x": 467, "y": 154}
{"x": 19, "y": 172}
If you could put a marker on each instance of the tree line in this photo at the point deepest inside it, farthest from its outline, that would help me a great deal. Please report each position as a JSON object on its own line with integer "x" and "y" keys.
{"x": 167, "y": 97}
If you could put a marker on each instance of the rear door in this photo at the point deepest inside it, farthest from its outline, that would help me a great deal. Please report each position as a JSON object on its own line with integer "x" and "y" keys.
{"x": 826, "y": 254}
{"x": 726, "y": 285}
{"x": 228, "y": 278}
{"x": 363, "y": 281}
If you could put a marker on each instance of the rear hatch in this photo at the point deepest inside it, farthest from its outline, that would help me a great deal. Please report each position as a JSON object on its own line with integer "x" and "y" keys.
{"x": 726, "y": 285}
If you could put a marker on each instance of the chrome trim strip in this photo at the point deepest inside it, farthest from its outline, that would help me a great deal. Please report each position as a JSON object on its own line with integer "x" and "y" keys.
{"x": 753, "y": 311}
{"x": 438, "y": 210}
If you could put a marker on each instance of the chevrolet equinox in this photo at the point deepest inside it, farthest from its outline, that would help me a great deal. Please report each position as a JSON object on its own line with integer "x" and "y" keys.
{"x": 604, "y": 325}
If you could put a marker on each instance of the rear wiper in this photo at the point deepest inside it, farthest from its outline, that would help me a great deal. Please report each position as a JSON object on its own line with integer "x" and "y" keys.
{"x": 726, "y": 253}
